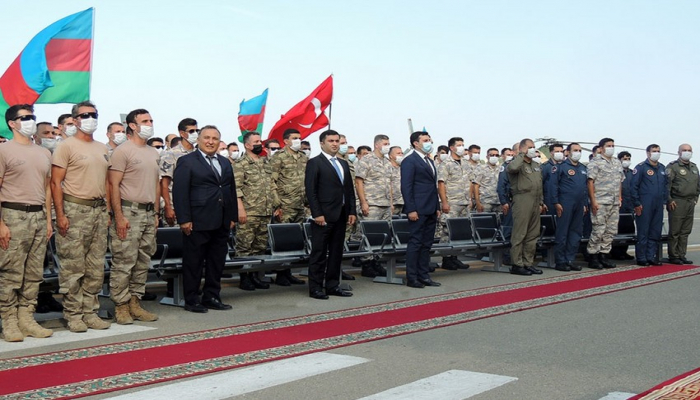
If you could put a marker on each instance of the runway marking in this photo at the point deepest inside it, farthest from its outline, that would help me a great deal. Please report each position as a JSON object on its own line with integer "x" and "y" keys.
{"x": 65, "y": 336}
{"x": 449, "y": 385}
{"x": 617, "y": 396}
{"x": 241, "y": 381}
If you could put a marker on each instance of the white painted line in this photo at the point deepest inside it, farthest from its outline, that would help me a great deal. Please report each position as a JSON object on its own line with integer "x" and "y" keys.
{"x": 241, "y": 381}
{"x": 617, "y": 396}
{"x": 449, "y": 385}
{"x": 66, "y": 336}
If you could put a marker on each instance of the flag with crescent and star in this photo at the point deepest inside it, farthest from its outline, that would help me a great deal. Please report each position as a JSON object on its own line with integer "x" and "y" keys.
{"x": 307, "y": 116}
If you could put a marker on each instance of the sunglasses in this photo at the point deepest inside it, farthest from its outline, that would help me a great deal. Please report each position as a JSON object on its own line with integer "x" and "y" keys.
{"x": 88, "y": 115}
{"x": 26, "y": 118}
{"x": 193, "y": 131}
{"x": 274, "y": 148}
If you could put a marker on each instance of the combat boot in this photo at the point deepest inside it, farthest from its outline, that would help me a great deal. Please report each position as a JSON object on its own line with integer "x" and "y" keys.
{"x": 10, "y": 327}
{"x": 603, "y": 259}
{"x": 77, "y": 326}
{"x": 593, "y": 261}
{"x": 28, "y": 325}
{"x": 122, "y": 314}
{"x": 92, "y": 321}
{"x": 139, "y": 313}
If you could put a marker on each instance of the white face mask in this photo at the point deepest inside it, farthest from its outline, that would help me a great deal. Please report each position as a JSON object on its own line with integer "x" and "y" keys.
{"x": 626, "y": 163}
{"x": 575, "y": 156}
{"x": 119, "y": 138}
{"x": 444, "y": 157}
{"x": 609, "y": 151}
{"x": 88, "y": 125}
{"x": 352, "y": 157}
{"x": 493, "y": 160}
{"x": 296, "y": 144}
{"x": 509, "y": 158}
{"x": 145, "y": 132}
{"x": 459, "y": 150}
{"x": 307, "y": 152}
{"x": 27, "y": 128}
{"x": 49, "y": 144}
{"x": 272, "y": 152}
{"x": 399, "y": 159}
{"x": 531, "y": 152}
{"x": 558, "y": 155}
{"x": 537, "y": 160}
{"x": 343, "y": 149}
{"x": 224, "y": 153}
{"x": 476, "y": 157}
{"x": 159, "y": 151}
{"x": 234, "y": 155}
{"x": 192, "y": 138}
{"x": 686, "y": 155}
{"x": 655, "y": 156}
{"x": 385, "y": 149}
{"x": 71, "y": 130}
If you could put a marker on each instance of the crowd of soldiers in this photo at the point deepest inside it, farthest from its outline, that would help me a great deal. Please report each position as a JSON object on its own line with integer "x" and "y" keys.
{"x": 59, "y": 177}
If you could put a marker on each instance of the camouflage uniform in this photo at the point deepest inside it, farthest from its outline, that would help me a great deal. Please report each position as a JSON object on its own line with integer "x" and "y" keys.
{"x": 167, "y": 162}
{"x": 257, "y": 190}
{"x": 486, "y": 176}
{"x": 351, "y": 231}
{"x": 396, "y": 189}
{"x": 456, "y": 175}
{"x": 288, "y": 168}
{"x": 376, "y": 174}
{"x": 607, "y": 176}
{"x": 684, "y": 189}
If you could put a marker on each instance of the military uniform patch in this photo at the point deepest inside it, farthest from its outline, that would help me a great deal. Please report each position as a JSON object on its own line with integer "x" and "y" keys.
{"x": 650, "y": 172}
{"x": 683, "y": 172}
{"x": 572, "y": 172}
{"x": 634, "y": 171}
{"x": 554, "y": 169}
{"x": 528, "y": 170}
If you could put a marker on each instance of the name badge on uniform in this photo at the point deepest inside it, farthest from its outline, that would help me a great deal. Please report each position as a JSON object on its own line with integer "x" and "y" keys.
{"x": 682, "y": 172}
{"x": 650, "y": 172}
{"x": 528, "y": 170}
{"x": 537, "y": 169}
{"x": 572, "y": 172}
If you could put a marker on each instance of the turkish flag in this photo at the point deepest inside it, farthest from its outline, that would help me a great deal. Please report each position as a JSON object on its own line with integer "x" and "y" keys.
{"x": 307, "y": 116}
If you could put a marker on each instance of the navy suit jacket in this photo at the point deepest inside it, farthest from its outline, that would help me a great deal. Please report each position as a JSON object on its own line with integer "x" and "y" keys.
{"x": 419, "y": 185}
{"x": 324, "y": 190}
{"x": 199, "y": 197}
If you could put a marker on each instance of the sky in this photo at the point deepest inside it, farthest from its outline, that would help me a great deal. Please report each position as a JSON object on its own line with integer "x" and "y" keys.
{"x": 491, "y": 72}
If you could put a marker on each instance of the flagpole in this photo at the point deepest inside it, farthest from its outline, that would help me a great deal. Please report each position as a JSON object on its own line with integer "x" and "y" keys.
{"x": 92, "y": 52}
{"x": 330, "y": 113}
{"x": 410, "y": 126}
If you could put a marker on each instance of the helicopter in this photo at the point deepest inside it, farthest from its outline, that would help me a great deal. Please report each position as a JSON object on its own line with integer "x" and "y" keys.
{"x": 548, "y": 141}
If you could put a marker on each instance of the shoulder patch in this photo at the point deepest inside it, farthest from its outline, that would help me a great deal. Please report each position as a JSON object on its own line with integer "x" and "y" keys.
{"x": 503, "y": 168}
{"x": 634, "y": 171}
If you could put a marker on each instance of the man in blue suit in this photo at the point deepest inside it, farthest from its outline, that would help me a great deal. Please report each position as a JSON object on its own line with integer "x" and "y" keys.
{"x": 204, "y": 193}
{"x": 420, "y": 196}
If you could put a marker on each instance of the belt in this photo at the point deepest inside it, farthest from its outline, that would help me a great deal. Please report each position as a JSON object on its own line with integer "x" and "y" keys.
{"x": 140, "y": 206}
{"x": 94, "y": 203}
{"x": 21, "y": 207}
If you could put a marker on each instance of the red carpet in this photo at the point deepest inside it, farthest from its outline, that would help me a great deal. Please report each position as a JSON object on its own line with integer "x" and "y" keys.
{"x": 682, "y": 387}
{"x": 113, "y": 367}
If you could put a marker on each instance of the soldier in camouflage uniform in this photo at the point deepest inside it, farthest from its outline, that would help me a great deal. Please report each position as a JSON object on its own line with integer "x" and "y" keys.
{"x": 78, "y": 185}
{"x": 485, "y": 183}
{"x": 373, "y": 185}
{"x": 605, "y": 177}
{"x": 454, "y": 182}
{"x": 473, "y": 163}
{"x": 683, "y": 190}
{"x": 189, "y": 134}
{"x": 288, "y": 166}
{"x": 257, "y": 203}
{"x": 347, "y": 153}
{"x": 395, "y": 156}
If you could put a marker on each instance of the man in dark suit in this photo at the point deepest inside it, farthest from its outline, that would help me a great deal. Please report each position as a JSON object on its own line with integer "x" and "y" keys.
{"x": 204, "y": 193}
{"x": 331, "y": 199}
{"x": 420, "y": 198}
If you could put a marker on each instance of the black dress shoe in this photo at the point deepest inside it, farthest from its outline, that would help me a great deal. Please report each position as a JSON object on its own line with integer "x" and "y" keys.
{"x": 573, "y": 267}
{"x": 627, "y": 257}
{"x": 686, "y": 261}
{"x": 336, "y": 291}
{"x": 449, "y": 264}
{"x": 246, "y": 282}
{"x": 429, "y": 282}
{"x": 347, "y": 277}
{"x": 215, "y": 304}
{"x": 517, "y": 270}
{"x": 318, "y": 294}
{"x": 676, "y": 261}
{"x": 148, "y": 296}
{"x": 642, "y": 263}
{"x": 656, "y": 263}
{"x": 196, "y": 308}
{"x": 562, "y": 267}
{"x": 459, "y": 263}
{"x": 415, "y": 284}
{"x": 535, "y": 271}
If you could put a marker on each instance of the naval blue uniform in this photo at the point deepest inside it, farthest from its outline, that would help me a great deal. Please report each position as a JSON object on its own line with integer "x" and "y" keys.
{"x": 505, "y": 197}
{"x": 549, "y": 184}
{"x": 571, "y": 192}
{"x": 649, "y": 190}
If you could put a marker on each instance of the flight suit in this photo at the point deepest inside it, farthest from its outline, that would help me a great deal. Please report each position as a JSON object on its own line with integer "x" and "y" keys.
{"x": 649, "y": 190}
{"x": 526, "y": 184}
{"x": 684, "y": 189}
{"x": 571, "y": 192}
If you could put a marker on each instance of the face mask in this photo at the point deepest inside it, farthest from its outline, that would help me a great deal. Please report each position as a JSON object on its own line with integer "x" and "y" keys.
{"x": 307, "y": 152}
{"x": 459, "y": 150}
{"x": 609, "y": 151}
{"x": 466, "y": 157}
{"x": 686, "y": 155}
{"x": 575, "y": 156}
{"x": 257, "y": 149}
{"x": 531, "y": 153}
{"x": 343, "y": 149}
{"x": 296, "y": 144}
{"x": 234, "y": 155}
{"x": 444, "y": 157}
{"x": 119, "y": 138}
{"x": 655, "y": 156}
{"x": 493, "y": 160}
{"x": 88, "y": 125}
{"x": 509, "y": 158}
{"x": 537, "y": 160}
{"x": 192, "y": 138}
{"x": 49, "y": 144}
{"x": 385, "y": 149}
{"x": 71, "y": 130}
{"x": 626, "y": 163}
{"x": 159, "y": 151}
{"x": 145, "y": 132}
{"x": 272, "y": 152}
{"x": 352, "y": 157}
{"x": 27, "y": 128}
{"x": 476, "y": 157}
{"x": 399, "y": 159}
{"x": 224, "y": 153}
{"x": 558, "y": 156}
{"x": 427, "y": 147}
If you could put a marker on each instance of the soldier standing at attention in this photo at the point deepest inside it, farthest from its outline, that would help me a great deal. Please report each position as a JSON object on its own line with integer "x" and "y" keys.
{"x": 619, "y": 251}
{"x": 684, "y": 189}
{"x": 189, "y": 134}
{"x": 78, "y": 186}
{"x": 454, "y": 182}
{"x": 25, "y": 225}
{"x": 396, "y": 156}
{"x": 526, "y": 185}
{"x": 133, "y": 180}
{"x": 486, "y": 182}
{"x": 649, "y": 195}
{"x": 288, "y": 166}
{"x": 549, "y": 170}
{"x": 570, "y": 203}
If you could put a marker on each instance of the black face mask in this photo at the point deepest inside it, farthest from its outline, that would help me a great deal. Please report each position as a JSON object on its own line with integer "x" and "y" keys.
{"x": 257, "y": 149}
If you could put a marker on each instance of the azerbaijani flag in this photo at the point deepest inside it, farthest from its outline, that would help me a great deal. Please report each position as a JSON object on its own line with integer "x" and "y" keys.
{"x": 53, "y": 68}
{"x": 252, "y": 114}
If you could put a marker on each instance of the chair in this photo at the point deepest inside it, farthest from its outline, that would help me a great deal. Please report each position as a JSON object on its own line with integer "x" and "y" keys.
{"x": 548, "y": 232}
{"x": 378, "y": 237}
{"x": 287, "y": 240}
{"x": 489, "y": 236}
